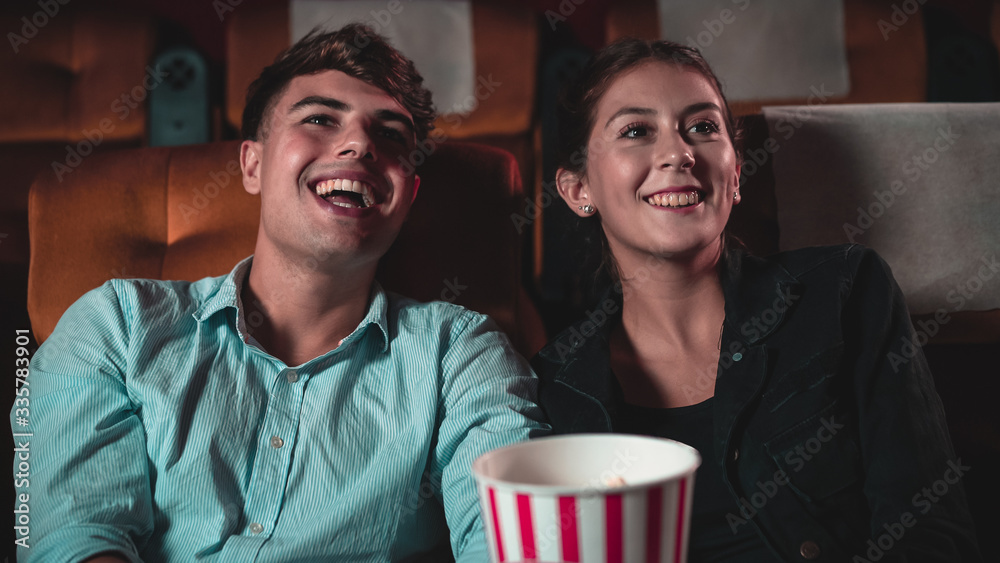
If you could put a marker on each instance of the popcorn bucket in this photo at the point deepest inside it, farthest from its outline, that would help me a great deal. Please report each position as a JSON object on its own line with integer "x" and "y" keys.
{"x": 588, "y": 498}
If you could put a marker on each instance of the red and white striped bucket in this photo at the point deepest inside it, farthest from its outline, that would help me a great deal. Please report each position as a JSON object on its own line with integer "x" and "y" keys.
{"x": 561, "y": 499}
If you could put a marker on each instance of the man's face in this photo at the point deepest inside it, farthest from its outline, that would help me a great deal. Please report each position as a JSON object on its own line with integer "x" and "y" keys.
{"x": 330, "y": 170}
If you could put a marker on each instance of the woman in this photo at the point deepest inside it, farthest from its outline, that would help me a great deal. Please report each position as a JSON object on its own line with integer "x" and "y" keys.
{"x": 815, "y": 445}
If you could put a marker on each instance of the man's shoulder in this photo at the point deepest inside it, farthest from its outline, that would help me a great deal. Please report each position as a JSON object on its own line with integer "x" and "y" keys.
{"x": 148, "y": 292}
{"x": 430, "y": 314}
{"x": 439, "y": 325}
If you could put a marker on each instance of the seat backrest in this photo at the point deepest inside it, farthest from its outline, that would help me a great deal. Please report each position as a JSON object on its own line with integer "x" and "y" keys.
{"x": 79, "y": 74}
{"x": 182, "y": 213}
{"x": 916, "y": 182}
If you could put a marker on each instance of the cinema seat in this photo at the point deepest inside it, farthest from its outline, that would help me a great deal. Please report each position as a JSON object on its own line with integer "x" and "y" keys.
{"x": 881, "y": 71}
{"x": 182, "y": 213}
{"x": 65, "y": 74}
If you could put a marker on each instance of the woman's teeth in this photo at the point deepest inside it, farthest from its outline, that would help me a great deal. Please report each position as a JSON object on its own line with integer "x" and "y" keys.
{"x": 674, "y": 199}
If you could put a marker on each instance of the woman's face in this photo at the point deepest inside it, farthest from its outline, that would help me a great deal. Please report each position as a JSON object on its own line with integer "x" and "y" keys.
{"x": 661, "y": 169}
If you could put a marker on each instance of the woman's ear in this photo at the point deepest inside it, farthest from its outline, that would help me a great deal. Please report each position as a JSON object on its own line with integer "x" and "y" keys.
{"x": 572, "y": 188}
{"x": 737, "y": 197}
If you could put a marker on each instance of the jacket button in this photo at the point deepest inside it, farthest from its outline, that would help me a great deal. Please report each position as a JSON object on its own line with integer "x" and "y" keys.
{"x": 809, "y": 550}
{"x": 736, "y": 454}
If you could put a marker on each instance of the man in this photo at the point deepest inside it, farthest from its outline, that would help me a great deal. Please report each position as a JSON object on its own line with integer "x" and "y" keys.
{"x": 292, "y": 410}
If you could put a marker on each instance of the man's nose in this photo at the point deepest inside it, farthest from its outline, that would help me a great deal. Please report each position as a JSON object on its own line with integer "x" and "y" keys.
{"x": 355, "y": 142}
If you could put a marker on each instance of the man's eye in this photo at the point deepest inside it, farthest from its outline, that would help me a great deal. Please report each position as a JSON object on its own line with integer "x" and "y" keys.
{"x": 705, "y": 127}
{"x": 318, "y": 120}
{"x": 633, "y": 131}
{"x": 394, "y": 135}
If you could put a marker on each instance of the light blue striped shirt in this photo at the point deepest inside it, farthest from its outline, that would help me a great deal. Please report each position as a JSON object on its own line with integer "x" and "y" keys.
{"x": 160, "y": 432}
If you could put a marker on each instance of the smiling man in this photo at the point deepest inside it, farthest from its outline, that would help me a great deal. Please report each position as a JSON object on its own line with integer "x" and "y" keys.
{"x": 291, "y": 411}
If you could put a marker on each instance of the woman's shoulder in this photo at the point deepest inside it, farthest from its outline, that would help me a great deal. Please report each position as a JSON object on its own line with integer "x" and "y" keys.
{"x": 842, "y": 261}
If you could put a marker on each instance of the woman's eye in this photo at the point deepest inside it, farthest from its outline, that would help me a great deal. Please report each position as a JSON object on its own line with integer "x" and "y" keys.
{"x": 705, "y": 127}
{"x": 633, "y": 131}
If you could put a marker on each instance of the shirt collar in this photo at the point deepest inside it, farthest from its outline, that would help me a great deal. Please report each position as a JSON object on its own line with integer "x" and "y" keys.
{"x": 228, "y": 295}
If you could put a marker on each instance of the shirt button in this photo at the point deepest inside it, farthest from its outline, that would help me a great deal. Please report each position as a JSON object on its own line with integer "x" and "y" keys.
{"x": 257, "y": 528}
{"x": 737, "y": 357}
{"x": 292, "y": 376}
{"x": 809, "y": 550}
{"x": 277, "y": 442}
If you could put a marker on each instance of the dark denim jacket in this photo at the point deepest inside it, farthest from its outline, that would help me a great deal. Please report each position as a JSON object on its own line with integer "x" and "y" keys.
{"x": 831, "y": 435}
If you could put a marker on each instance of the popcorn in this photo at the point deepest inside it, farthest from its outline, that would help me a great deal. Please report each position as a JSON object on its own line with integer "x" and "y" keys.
{"x": 614, "y": 481}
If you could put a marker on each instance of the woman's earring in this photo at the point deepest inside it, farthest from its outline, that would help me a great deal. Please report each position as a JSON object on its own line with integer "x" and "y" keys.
{"x": 736, "y": 195}
{"x": 586, "y": 208}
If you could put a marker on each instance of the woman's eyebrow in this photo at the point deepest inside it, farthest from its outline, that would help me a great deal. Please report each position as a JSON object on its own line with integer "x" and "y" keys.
{"x": 629, "y": 111}
{"x": 695, "y": 108}
{"x": 632, "y": 110}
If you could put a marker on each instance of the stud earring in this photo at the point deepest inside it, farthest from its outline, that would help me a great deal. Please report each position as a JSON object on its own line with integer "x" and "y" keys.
{"x": 736, "y": 195}
{"x": 586, "y": 208}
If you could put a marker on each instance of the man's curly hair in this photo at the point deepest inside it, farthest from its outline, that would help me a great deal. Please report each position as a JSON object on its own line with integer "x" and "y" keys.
{"x": 356, "y": 51}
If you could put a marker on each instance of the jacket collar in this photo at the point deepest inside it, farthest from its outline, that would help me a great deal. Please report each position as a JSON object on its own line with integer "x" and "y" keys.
{"x": 759, "y": 294}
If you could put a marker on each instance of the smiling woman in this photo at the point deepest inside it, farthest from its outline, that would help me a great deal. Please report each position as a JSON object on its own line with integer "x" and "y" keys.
{"x": 752, "y": 361}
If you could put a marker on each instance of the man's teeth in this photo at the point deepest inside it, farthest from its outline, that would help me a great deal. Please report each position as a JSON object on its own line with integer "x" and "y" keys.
{"x": 326, "y": 187}
{"x": 674, "y": 199}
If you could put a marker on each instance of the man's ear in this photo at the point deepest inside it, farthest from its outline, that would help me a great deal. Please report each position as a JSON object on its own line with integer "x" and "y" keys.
{"x": 250, "y": 155}
{"x": 572, "y": 188}
{"x": 416, "y": 187}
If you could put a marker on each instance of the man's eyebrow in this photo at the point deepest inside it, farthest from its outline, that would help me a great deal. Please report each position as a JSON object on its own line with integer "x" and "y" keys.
{"x": 337, "y": 105}
{"x": 389, "y": 115}
{"x": 331, "y": 103}
{"x": 629, "y": 111}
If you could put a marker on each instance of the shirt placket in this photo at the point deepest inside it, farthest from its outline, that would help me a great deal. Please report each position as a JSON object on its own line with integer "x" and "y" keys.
{"x": 272, "y": 464}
